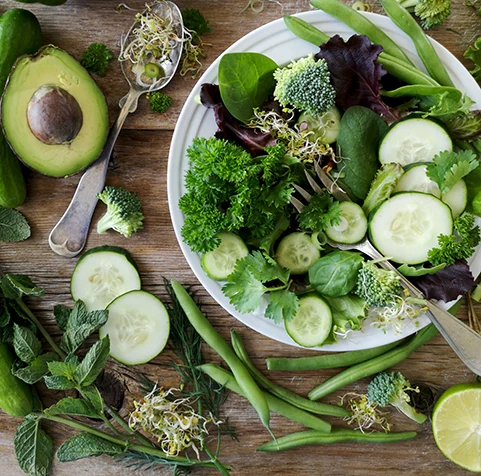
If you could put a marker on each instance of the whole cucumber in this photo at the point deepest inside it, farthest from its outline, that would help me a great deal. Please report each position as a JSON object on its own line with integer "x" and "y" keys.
{"x": 20, "y": 34}
{"x": 16, "y": 397}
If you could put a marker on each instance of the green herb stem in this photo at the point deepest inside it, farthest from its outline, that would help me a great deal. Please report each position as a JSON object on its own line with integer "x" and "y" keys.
{"x": 42, "y": 330}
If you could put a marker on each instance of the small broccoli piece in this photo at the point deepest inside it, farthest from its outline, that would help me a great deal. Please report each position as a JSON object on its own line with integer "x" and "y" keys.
{"x": 159, "y": 102}
{"x": 195, "y": 22}
{"x": 305, "y": 85}
{"x": 389, "y": 388}
{"x": 377, "y": 286}
{"x": 124, "y": 211}
{"x": 431, "y": 13}
{"x": 96, "y": 58}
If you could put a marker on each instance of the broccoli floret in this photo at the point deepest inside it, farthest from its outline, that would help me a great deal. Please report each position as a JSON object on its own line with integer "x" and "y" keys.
{"x": 305, "y": 85}
{"x": 431, "y": 13}
{"x": 124, "y": 211}
{"x": 159, "y": 102}
{"x": 96, "y": 58}
{"x": 389, "y": 388}
{"x": 377, "y": 286}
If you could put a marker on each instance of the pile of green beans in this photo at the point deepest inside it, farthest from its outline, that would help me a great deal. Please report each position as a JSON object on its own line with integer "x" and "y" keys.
{"x": 337, "y": 435}
{"x": 281, "y": 392}
{"x": 401, "y": 69}
{"x": 276, "y": 405}
{"x": 328, "y": 361}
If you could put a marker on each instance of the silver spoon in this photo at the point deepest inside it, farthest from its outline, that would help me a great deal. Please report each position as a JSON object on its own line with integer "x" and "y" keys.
{"x": 70, "y": 234}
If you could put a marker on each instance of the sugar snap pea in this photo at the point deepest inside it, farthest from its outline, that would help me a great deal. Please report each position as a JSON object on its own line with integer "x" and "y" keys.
{"x": 362, "y": 25}
{"x": 276, "y": 405}
{"x": 281, "y": 392}
{"x": 375, "y": 365}
{"x": 402, "y": 70}
{"x": 328, "y": 361}
{"x": 201, "y": 324}
{"x": 337, "y": 435}
{"x": 405, "y": 21}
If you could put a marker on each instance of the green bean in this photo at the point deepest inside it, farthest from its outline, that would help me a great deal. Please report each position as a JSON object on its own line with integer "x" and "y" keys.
{"x": 422, "y": 90}
{"x": 201, "y": 324}
{"x": 402, "y": 70}
{"x": 337, "y": 435}
{"x": 374, "y": 366}
{"x": 404, "y": 20}
{"x": 276, "y": 405}
{"x": 360, "y": 24}
{"x": 328, "y": 361}
{"x": 281, "y": 392}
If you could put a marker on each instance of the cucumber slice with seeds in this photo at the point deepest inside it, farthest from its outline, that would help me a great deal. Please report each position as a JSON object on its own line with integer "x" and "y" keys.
{"x": 298, "y": 252}
{"x": 138, "y": 327}
{"x": 353, "y": 225}
{"x": 102, "y": 274}
{"x": 312, "y": 323}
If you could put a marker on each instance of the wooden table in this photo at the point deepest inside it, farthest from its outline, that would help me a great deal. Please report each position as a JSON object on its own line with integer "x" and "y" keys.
{"x": 140, "y": 164}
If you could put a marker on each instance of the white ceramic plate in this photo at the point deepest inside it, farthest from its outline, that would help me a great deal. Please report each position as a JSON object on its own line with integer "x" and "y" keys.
{"x": 277, "y": 42}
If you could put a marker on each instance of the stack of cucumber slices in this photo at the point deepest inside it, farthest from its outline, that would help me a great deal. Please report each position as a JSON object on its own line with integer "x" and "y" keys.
{"x": 138, "y": 325}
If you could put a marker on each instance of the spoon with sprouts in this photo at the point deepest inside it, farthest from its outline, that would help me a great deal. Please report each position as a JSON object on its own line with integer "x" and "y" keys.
{"x": 150, "y": 55}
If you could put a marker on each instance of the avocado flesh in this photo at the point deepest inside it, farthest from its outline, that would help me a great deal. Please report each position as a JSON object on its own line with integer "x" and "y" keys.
{"x": 53, "y": 66}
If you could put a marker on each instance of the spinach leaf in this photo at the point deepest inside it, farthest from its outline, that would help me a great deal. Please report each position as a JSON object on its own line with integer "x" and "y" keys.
{"x": 336, "y": 273}
{"x": 246, "y": 80}
{"x": 33, "y": 447}
{"x": 473, "y": 184}
{"x": 86, "y": 445}
{"x": 358, "y": 143}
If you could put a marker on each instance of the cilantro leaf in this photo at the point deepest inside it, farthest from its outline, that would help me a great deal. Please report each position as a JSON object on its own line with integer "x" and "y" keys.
{"x": 13, "y": 225}
{"x": 282, "y": 306}
{"x": 449, "y": 167}
{"x": 321, "y": 212}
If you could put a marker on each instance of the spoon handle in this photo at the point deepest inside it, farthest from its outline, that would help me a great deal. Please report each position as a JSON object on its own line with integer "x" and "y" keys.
{"x": 70, "y": 234}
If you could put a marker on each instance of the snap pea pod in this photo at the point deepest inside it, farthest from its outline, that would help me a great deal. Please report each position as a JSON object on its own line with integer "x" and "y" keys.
{"x": 281, "y": 392}
{"x": 201, "y": 324}
{"x": 337, "y": 435}
{"x": 276, "y": 405}
{"x": 360, "y": 24}
{"x": 403, "y": 20}
{"x": 375, "y": 365}
{"x": 328, "y": 361}
{"x": 402, "y": 70}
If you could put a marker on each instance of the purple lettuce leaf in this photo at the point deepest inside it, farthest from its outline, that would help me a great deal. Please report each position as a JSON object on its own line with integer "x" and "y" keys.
{"x": 447, "y": 284}
{"x": 229, "y": 128}
{"x": 356, "y": 74}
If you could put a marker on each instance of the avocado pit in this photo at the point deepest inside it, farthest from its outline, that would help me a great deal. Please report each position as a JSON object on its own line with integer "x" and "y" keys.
{"x": 54, "y": 115}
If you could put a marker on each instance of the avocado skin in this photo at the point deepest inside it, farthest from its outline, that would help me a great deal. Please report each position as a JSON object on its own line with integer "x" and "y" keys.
{"x": 51, "y": 3}
{"x": 20, "y": 34}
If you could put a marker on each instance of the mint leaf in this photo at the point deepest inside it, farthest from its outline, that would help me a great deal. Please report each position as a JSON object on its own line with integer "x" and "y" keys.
{"x": 5, "y": 315}
{"x": 93, "y": 362}
{"x": 33, "y": 447}
{"x": 26, "y": 344}
{"x": 58, "y": 383}
{"x": 61, "y": 314}
{"x": 71, "y": 406}
{"x": 36, "y": 369}
{"x": 13, "y": 225}
{"x": 79, "y": 325}
{"x": 449, "y": 167}
{"x": 93, "y": 397}
{"x": 62, "y": 369}
{"x": 282, "y": 307}
{"x": 15, "y": 286}
{"x": 86, "y": 445}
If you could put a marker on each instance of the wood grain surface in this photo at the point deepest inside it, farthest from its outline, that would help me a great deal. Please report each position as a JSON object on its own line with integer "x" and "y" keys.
{"x": 140, "y": 164}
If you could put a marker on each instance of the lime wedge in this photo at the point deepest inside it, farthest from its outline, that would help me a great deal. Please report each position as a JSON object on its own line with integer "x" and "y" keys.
{"x": 457, "y": 425}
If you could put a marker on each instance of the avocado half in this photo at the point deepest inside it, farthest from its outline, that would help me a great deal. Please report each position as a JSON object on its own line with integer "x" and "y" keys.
{"x": 54, "y": 115}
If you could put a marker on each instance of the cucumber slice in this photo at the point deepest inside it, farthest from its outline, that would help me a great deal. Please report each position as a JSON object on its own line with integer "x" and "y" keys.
{"x": 312, "y": 323}
{"x": 352, "y": 227}
{"x": 457, "y": 198}
{"x": 405, "y": 227}
{"x": 297, "y": 252}
{"x": 138, "y": 327}
{"x": 219, "y": 263}
{"x": 416, "y": 180}
{"x": 324, "y": 127}
{"x": 101, "y": 275}
{"x": 413, "y": 140}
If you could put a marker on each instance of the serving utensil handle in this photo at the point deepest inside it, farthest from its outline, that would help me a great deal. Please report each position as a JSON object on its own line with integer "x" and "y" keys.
{"x": 70, "y": 234}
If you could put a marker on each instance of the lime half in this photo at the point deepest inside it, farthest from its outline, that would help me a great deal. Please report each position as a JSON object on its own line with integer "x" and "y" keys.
{"x": 457, "y": 425}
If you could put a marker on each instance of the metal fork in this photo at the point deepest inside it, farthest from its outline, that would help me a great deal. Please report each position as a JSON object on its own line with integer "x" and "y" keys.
{"x": 463, "y": 340}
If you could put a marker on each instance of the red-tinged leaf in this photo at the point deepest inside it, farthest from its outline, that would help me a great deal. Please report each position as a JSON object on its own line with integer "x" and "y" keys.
{"x": 356, "y": 74}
